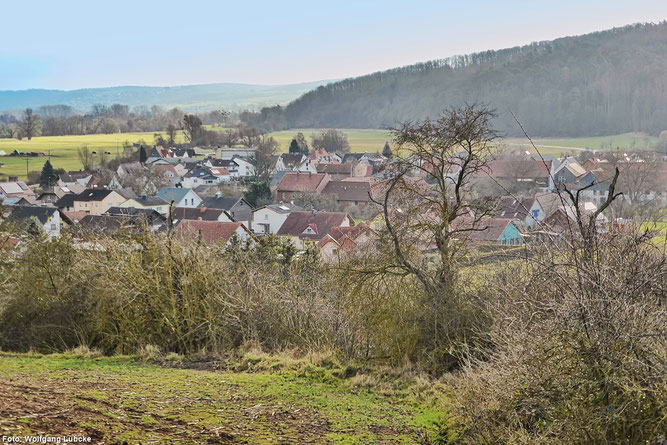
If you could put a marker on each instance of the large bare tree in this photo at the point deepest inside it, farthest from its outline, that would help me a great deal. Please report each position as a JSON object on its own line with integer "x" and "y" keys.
{"x": 29, "y": 125}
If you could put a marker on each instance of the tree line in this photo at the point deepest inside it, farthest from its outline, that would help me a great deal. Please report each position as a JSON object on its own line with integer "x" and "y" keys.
{"x": 606, "y": 82}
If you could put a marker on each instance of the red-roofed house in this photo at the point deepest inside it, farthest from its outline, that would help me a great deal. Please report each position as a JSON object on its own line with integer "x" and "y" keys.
{"x": 292, "y": 183}
{"x": 302, "y": 226}
{"x": 212, "y": 231}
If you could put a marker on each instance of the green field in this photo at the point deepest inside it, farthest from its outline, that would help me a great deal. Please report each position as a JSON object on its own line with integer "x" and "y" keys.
{"x": 63, "y": 149}
{"x": 272, "y": 400}
{"x": 360, "y": 140}
{"x": 556, "y": 146}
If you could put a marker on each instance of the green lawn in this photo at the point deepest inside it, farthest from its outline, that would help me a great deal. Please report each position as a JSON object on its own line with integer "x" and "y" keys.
{"x": 273, "y": 400}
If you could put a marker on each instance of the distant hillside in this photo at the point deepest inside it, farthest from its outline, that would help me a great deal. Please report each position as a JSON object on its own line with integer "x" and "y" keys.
{"x": 190, "y": 97}
{"x": 606, "y": 82}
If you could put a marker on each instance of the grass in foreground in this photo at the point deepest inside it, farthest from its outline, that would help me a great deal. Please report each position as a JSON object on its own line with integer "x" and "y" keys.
{"x": 273, "y": 400}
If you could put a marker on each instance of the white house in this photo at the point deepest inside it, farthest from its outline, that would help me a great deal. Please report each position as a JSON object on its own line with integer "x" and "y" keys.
{"x": 268, "y": 219}
{"x": 182, "y": 197}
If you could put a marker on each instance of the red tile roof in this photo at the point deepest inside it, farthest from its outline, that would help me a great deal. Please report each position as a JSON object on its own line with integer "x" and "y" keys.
{"x": 349, "y": 190}
{"x": 320, "y": 222}
{"x": 211, "y": 231}
{"x": 301, "y": 182}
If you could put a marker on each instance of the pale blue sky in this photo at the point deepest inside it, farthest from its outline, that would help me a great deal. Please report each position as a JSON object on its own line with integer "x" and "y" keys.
{"x": 72, "y": 44}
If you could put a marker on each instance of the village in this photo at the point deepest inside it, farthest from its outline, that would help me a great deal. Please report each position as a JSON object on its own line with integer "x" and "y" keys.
{"x": 331, "y": 200}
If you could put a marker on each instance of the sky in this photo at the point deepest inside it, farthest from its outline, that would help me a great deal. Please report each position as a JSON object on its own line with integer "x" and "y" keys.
{"x": 73, "y": 44}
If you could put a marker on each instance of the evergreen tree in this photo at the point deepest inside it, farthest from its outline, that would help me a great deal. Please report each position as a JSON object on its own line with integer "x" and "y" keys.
{"x": 294, "y": 147}
{"x": 48, "y": 177}
{"x": 142, "y": 155}
{"x": 386, "y": 151}
{"x": 258, "y": 194}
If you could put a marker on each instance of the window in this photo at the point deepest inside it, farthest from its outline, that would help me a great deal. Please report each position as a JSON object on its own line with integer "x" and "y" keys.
{"x": 266, "y": 216}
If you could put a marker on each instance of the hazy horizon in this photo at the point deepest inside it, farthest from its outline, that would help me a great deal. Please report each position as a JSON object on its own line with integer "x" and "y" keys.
{"x": 76, "y": 47}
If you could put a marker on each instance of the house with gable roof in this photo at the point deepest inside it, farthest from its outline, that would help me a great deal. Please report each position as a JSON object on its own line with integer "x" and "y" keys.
{"x": 313, "y": 226}
{"x": 182, "y": 197}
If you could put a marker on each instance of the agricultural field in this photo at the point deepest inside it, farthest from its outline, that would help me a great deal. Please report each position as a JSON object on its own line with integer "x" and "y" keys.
{"x": 263, "y": 400}
{"x": 63, "y": 150}
{"x": 360, "y": 140}
{"x": 556, "y": 146}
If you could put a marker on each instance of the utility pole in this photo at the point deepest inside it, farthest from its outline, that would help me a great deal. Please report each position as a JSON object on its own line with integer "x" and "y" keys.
{"x": 26, "y": 167}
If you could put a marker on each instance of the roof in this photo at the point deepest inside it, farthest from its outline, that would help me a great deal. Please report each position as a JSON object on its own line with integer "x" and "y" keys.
{"x": 282, "y": 208}
{"x": 93, "y": 195}
{"x": 66, "y": 201}
{"x": 348, "y": 190}
{"x": 518, "y": 168}
{"x": 175, "y": 194}
{"x": 146, "y": 214}
{"x": 509, "y": 207}
{"x": 301, "y": 182}
{"x": 210, "y": 231}
{"x": 292, "y": 160}
{"x": 148, "y": 201}
{"x": 221, "y": 202}
{"x": 494, "y": 229}
{"x": 335, "y": 169}
{"x": 14, "y": 188}
{"x": 22, "y": 213}
{"x": 75, "y": 216}
{"x": 201, "y": 213}
{"x": 320, "y": 222}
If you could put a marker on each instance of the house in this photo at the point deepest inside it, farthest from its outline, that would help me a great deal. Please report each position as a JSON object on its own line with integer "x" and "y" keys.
{"x": 269, "y": 218}
{"x": 495, "y": 231}
{"x": 97, "y": 201}
{"x": 246, "y": 167}
{"x": 231, "y": 153}
{"x": 313, "y": 226}
{"x": 66, "y": 203}
{"x": 81, "y": 178}
{"x": 198, "y": 176}
{"x": 181, "y": 197}
{"x": 527, "y": 211}
{"x": 344, "y": 241}
{"x": 238, "y": 208}
{"x": 230, "y": 165}
{"x": 15, "y": 189}
{"x": 147, "y": 202}
{"x": 336, "y": 171}
{"x": 349, "y": 192}
{"x": 292, "y": 183}
{"x": 200, "y": 214}
{"x": 129, "y": 168}
{"x": 147, "y": 218}
{"x": 49, "y": 219}
{"x": 50, "y": 197}
{"x": 213, "y": 231}
{"x": 520, "y": 171}
{"x": 289, "y": 162}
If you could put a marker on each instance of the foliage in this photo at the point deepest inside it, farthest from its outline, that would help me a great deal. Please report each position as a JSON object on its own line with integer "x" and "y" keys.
{"x": 48, "y": 177}
{"x": 331, "y": 141}
{"x": 258, "y": 194}
{"x": 543, "y": 83}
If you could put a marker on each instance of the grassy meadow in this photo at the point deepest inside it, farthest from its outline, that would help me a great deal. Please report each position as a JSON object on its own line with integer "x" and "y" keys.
{"x": 260, "y": 400}
{"x": 63, "y": 149}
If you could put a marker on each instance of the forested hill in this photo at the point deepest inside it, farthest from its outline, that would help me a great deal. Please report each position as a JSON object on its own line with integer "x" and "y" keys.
{"x": 187, "y": 97}
{"x": 606, "y": 82}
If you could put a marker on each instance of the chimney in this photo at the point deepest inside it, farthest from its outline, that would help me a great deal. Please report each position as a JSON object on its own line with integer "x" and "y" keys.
{"x": 218, "y": 195}
{"x": 312, "y": 211}
{"x": 202, "y": 209}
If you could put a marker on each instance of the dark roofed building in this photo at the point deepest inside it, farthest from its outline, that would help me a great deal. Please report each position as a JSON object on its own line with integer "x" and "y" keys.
{"x": 238, "y": 208}
{"x": 201, "y": 213}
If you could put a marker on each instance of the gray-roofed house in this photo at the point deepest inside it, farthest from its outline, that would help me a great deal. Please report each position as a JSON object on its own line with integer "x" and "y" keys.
{"x": 182, "y": 197}
{"x": 49, "y": 219}
{"x": 238, "y": 208}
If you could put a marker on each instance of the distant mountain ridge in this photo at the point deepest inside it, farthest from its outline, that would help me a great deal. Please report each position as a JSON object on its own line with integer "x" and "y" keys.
{"x": 606, "y": 82}
{"x": 204, "y": 97}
